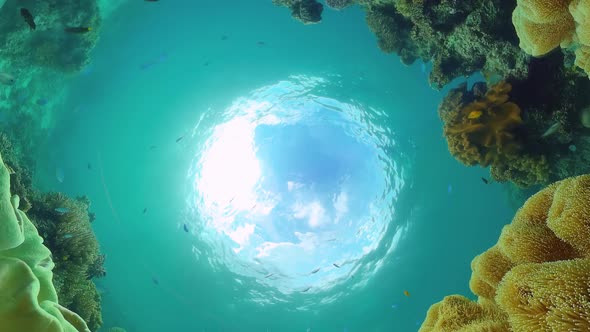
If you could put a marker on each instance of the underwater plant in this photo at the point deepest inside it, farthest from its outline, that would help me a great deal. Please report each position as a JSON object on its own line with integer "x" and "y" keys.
{"x": 30, "y": 301}
{"x": 535, "y": 277}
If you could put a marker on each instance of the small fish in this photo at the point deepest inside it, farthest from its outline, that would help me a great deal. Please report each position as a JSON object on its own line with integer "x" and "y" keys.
{"x": 155, "y": 281}
{"x": 89, "y": 166}
{"x": 59, "y": 174}
{"x": 185, "y": 227}
{"x": 41, "y": 101}
{"x": 474, "y": 115}
{"x": 552, "y": 130}
{"x": 179, "y": 139}
{"x": 7, "y": 79}
{"x": 260, "y": 43}
{"x": 268, "y": 276}
{"x": 486, "y": 181}
{"x": 26, "y": 14}
{"x": 394, "y": 306}
{"x": 449, "y": 188}
{"x": 68, "y": 236}
{"x": 336, "y": 265}
{"x": 77, "y": 29}
{"x": 153, "y": 147}
{"x": 206, "y": 63}
{"x": 144, "y": 210}
{"x": 315, "y": 271}
{"x": 305, "y": 290}
{"x": 224, "y": 37}
{"x": 406, "y": 293}
{"x": 61, "y": 210}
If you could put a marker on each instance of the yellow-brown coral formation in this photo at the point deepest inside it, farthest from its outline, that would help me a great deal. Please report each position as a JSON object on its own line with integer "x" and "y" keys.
{"x": 485, "y": 125}
{"x": 484, "y": 132}
{"x": 537, "y": 273}
{"x": 458, "y": 313}
{"x": 543, "y": 25}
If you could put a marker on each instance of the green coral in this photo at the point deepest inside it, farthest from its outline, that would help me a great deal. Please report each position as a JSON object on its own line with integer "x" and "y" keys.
{"x": 69, "y": 236}
{"x": 65, "y": 224}
{"x": 29, "y": 301}
{"x": 305, "y": 11}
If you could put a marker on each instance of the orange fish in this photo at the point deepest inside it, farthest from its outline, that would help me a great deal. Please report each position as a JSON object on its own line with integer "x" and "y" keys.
{"x": 406, "y": 293}
{"x": 474, "y": 114}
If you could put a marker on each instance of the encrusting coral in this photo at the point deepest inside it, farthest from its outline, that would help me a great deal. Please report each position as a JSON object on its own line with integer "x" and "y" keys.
{"x": 29, "y": 301}
{"x": 536, "y": 275}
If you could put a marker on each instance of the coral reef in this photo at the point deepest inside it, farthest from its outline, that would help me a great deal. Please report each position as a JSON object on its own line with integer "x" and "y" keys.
{"x": 459, "y": 37}
{"x": 545, "y": 138}
{"x": 64, "y": 224}
{"x": 30, "y": 302}
{"x": 339, "y": 4}
{"x": 305, "y": 11}
{"x": 485, "y": 129}
{"x": 536, "y": 277}
{"x": 50, "y": 46}
{"x": 545, "y": 25}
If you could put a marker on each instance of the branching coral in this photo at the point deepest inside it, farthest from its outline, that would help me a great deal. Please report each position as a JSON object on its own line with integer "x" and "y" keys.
{"x": 65, "y": 225}
{"x": 538, "y": 272}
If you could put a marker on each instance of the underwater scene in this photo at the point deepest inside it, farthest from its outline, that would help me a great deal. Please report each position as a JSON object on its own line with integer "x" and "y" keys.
{"x": 294, "y": 165}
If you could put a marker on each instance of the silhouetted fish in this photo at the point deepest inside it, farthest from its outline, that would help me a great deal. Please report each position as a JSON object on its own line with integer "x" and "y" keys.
{"x": 305, "y": 290}
{"x": 486, "y": 181}
{"x": 315, "y": 271}
{"x": 185, "y": 227}
{"x": 268, "y": 276}
{"x": 26, "y": 14}
{"x": 89, "y": 166}
{"x": 155, "y": 281}
{"x": 77, "y": 29}
{"x": 144, "y": 210}
{"x": 336, "y": 265}
{"x": 179, "y": 139}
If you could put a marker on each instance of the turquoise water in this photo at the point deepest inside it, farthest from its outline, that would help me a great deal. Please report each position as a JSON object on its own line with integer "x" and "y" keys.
{"x": 347, "y": 118}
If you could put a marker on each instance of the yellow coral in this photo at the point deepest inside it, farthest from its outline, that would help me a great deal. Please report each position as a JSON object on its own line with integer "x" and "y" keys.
{"x": 458, "y": 313}
{"x": 490, "y": 133}
{"x": 569, "y": 215}
{"x": 487, "y": 272}
{"x": 537, "y": 273}
{"x": 547, "y": 297}
{"x": 542, "y": 25}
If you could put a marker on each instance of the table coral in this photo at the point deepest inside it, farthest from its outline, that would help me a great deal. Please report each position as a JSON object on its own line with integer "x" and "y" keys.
{"x": 537, "y": 274}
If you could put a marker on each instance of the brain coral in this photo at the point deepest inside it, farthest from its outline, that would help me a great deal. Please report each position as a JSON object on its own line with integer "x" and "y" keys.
{"x": 538, "y": 272}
